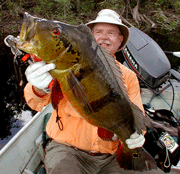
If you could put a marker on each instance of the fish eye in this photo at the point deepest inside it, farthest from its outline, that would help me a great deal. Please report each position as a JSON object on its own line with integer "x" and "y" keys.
{"x": 56, "y": 31}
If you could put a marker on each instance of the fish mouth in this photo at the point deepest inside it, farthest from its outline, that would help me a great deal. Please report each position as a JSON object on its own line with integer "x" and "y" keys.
{"x": 28, "y": 30}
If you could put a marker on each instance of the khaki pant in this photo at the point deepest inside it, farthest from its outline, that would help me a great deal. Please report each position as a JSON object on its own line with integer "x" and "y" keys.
{"x": 62, "y": 159}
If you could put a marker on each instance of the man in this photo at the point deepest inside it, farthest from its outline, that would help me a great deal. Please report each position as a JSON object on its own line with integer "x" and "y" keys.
{"x": 77, "y": 148}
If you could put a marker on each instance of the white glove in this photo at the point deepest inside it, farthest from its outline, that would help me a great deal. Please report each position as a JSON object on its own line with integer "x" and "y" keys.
{"x": 136, "y": 140}
{"x": 37, "y": 74}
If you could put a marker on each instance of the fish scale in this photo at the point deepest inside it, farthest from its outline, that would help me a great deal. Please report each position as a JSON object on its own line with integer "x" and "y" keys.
{"x": 90, "y": 80}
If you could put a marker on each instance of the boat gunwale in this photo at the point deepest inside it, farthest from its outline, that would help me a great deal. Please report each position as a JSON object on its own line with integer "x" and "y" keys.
{"x": 18, "y": 135}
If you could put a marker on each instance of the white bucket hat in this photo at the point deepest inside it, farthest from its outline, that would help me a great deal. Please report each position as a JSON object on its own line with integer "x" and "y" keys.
{"x": 111, "y": 17}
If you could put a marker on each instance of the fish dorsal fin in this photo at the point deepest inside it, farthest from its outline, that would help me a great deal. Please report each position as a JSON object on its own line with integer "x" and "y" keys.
{"x": 113, "y": 72}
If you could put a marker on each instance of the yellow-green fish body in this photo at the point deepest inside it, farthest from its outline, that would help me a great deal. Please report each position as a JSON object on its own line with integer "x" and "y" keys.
{"x": 89, "y": 79}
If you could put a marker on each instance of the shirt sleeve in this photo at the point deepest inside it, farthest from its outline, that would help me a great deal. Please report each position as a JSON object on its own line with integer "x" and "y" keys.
{"x": 35, "y": 102}
{"x": 134, "y": 91}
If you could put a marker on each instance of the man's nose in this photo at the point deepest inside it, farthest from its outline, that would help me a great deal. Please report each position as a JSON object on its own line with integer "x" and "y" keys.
{"x": 104, "y": 35}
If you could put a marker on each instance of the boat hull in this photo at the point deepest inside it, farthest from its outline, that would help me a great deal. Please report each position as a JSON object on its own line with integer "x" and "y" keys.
{"x": 22, "y": 147}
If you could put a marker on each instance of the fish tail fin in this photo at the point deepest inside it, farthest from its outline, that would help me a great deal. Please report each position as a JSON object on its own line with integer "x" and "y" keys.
{"x": 137, "y": 159}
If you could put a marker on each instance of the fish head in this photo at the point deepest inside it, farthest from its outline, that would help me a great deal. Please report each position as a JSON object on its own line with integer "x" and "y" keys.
{"x": 50, "y": 40}
{"x": 37, "y": 37}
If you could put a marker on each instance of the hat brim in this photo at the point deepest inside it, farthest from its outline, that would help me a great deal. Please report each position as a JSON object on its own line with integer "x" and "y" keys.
{"x": 124, "y": 30}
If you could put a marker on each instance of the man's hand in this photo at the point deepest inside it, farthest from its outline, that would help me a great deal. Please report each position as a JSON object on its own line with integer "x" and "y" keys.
{"x": 38, "y": 74}
{"x": 136, "y": 140}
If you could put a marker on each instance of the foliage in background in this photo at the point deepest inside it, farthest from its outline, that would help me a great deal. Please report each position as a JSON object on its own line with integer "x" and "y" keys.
{"x": 162, "y": 15}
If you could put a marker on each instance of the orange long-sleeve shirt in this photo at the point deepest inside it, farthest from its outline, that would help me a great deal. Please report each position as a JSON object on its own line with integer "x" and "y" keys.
{"x": 77, "y": 132}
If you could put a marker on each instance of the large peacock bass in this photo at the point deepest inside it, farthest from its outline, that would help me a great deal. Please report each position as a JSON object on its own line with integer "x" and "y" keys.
{"x": 89, "y": 79}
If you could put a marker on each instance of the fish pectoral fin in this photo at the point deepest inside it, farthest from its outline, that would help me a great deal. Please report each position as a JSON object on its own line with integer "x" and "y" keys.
{"x": 59, "y": 73}
{"x": 79, "y": 92}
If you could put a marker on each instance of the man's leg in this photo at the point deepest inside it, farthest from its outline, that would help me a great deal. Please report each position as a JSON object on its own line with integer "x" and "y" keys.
{"x": 66, "y": 160}
{"x": 59, "y": 159}
{"x": 112, "y": 167}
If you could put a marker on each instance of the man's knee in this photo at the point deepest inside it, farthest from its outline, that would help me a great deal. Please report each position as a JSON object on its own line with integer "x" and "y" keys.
{"x": 59, "y": 156}
{"x": 66, "y": 165}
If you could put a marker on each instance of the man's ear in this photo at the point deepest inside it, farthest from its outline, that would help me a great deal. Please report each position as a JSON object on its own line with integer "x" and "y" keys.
{"x": 120, "y": 41}
{"x": 121, "y": 38}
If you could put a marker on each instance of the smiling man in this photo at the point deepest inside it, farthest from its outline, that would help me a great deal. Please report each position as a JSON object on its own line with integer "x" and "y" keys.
{"x": 77, "y": 148}
{"x": 109, "y": 31}
{"x": 108, "y": 36}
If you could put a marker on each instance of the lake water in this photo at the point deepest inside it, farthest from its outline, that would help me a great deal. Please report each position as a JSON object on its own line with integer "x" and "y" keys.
{"x": 22, "y": 119}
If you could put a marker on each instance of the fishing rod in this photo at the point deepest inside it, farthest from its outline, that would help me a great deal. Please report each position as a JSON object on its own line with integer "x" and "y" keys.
{"x": 175, "y": 53}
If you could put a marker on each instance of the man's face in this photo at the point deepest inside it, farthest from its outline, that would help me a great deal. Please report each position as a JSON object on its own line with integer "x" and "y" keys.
{"x": 108, "y": 36}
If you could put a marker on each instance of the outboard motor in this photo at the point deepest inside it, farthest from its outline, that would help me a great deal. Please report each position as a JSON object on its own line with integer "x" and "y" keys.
{"x": 145, "y": 57}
